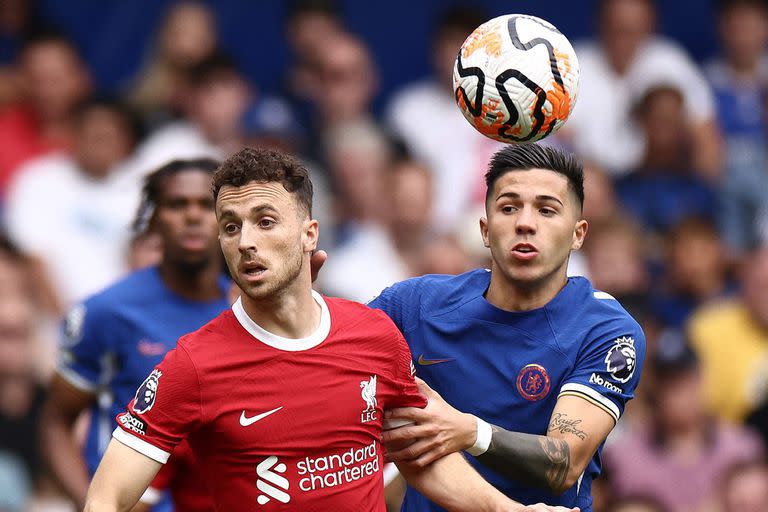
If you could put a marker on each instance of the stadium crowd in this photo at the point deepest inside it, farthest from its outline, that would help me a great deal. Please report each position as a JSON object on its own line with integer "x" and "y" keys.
{"x": 676, "y": 161}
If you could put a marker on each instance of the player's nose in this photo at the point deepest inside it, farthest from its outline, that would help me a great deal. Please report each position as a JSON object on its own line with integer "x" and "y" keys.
{"x": 248, "y": 238}
{"x": 525, "y": 221}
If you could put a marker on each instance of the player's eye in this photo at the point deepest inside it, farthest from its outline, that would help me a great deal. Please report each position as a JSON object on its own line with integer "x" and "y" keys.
{"x": 508, "y": 208}
{"x": 266, "y": 223}
{"x": 548, "y": 212}
{"x": 231, "y": 229}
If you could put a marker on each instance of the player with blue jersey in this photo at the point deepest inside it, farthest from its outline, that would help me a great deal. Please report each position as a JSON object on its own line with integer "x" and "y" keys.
{"x": 113, "y": 340}
{"x": 541, "y": 365}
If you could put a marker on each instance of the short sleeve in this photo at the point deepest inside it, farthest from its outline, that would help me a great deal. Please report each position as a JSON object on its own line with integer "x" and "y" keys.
{"x": 401, "y": 303}
{"x": 607, "y": 372}
{"x": 404, "y": 375}
{"x": 84, "y": 349}
{"x": 165, "y": 409}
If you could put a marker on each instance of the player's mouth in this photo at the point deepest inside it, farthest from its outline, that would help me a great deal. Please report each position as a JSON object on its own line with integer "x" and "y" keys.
{"x": 194, "y": 241}
{"x": 252, "y": 271}
{"x": 524, "y": 252}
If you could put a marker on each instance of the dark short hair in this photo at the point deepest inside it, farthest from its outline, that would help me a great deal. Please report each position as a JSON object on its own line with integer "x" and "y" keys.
{"x": 459, "y": 18}
{"x": 523, "y": 157}
{"x": 152, "y": 191}
{"x": 265, "y": 166}
{"x": 127, "y": 116}
{"x": 214, "y": 67}
{"x": 723, "y": 6}
{"x": 298, "y": 8}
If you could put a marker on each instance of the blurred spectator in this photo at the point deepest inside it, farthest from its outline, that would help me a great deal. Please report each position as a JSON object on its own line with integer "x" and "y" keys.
{"x": 21, "y": 393}
{"x": 615, "y": 258}
{"x": 739, "y": 78}
{"x": 74, "y": 212}
{"x": 309, "y": 25}
{"x": 18, "y": 19}
{"x": 270, "y": 122}
{"x": 745, "y": 488}
{"x": 442, "y": 254}
{"x": 392, "y": 247}
{"x": 616, "y": 68}
{"x": 695, "y": 272}
{"x": 681, "y": 438}
{"x": 731, "y": 337}
{"x": 186, "y": 38}
{"x": 54, "y": 80}
{"x": 216, "y": 99}
{"x": 426, "y": 117}
{"x": 599, "y": 188}
{"x": 347, "y": 83}
{"x": 664, "y": 188}
{"x": 638, "y": 504}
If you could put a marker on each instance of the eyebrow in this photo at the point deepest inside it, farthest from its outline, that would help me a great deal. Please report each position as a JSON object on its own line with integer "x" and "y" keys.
{"x": 540, "y": 197}
{"x": 253, "y": 211}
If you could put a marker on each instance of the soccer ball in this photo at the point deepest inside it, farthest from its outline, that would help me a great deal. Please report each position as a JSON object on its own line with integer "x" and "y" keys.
{"x": 516, "y": 78}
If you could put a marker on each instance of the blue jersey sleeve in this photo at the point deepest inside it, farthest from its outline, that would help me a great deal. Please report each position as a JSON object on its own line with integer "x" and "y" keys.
{"x": 607, "y": 371}
{"x": 84, "y": 353}
{"x": 401, "y": 303}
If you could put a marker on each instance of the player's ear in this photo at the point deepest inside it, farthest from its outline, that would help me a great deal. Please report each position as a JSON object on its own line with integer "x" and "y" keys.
{"x": 310, "y": 234}
{"x": 484, "y": 231}
{"x": 579, "y": 233}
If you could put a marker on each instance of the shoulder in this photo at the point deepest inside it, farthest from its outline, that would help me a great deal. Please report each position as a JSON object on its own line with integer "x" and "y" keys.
{"x": 347, "y": 313}
{"x": 40, "y": 170}
{"x": 211, "y": 338}
{"x": 433, "y": 290}
{"x": 132, "y": 288}
{"x": 600, "y": 316}
{"x": 413, "y": 94}
{"x": 712, "y": 318}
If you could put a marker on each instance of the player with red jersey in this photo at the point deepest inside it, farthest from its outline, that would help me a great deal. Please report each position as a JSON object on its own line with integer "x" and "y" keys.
{"x": 282, "y": 397}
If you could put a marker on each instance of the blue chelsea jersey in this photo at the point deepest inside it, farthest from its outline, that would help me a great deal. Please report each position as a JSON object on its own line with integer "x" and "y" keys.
{"x": 509, "y": 368}
{"x": 114, "y": 339}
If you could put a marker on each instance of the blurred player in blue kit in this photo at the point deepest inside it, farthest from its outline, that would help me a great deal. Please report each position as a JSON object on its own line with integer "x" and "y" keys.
{"x": 540, "y": 365}
{"x": 115, "y": 338}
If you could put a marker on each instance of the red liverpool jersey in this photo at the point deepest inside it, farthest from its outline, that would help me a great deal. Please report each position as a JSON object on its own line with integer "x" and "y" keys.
{"x": 277, "y": 423}
{"x": 183, "y": 476}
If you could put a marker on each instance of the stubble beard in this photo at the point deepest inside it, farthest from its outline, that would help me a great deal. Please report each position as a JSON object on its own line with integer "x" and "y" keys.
{"x": 277, "y": 284}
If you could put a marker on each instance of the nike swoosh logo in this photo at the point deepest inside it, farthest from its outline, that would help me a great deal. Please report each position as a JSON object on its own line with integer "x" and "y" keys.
{"x": 244, "y": 421}
{"x": 428, "y": 362}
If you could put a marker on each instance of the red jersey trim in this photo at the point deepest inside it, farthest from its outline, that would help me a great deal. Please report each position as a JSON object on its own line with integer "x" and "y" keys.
{"x": 141, "y": 446}
{"x": 279, "y": 342}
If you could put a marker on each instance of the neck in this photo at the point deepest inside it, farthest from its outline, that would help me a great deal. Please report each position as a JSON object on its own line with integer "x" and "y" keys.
{"x": 515, "y": 296}
{"x": 192, "y": 283}
{"x": 290, "y": 313}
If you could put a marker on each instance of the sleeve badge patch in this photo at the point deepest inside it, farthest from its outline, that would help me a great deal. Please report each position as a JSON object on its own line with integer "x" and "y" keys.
{"x": 621, "y": 359}
{"x": 147, "y": 393}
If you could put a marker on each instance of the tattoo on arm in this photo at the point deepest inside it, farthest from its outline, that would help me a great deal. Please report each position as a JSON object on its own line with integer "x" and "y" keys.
{"x": 540, "y": 461}
{"x": 563, "y": 424}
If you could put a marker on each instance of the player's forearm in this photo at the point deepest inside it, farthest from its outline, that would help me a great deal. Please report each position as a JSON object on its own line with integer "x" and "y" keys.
{"x": 454, "y": 485}
{"x": 64, "y": 457}
{"x": 540, "y": 461}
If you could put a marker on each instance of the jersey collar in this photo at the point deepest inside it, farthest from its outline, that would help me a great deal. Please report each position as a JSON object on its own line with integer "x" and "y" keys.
{"x": 279, "y": 342}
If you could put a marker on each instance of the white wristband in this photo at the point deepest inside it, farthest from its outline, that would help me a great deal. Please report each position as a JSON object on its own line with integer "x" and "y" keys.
{"x": 483, "y": 441}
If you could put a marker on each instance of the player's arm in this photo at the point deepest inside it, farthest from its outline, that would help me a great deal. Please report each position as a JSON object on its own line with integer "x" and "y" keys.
{"x": 62, "y": 407}
{"x": 454, "y": 485}
{"x": 555, "y": 461}
{"x": 122, "y": 477}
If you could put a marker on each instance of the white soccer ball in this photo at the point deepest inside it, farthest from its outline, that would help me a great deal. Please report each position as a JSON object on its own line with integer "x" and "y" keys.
{"x": 516, "y": 78}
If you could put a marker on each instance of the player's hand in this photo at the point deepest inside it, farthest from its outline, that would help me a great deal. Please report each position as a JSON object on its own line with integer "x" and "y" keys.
{"x": 439, "y": 429}
{"x": 316, "y": 263}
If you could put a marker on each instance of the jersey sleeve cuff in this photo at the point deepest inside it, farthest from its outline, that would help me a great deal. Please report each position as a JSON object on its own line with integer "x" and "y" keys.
{"x": 141, "y": 446}
{"x": 591, "y": 396}
{"x": 76, "y": 380}
{"x": 151, "y": 496}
